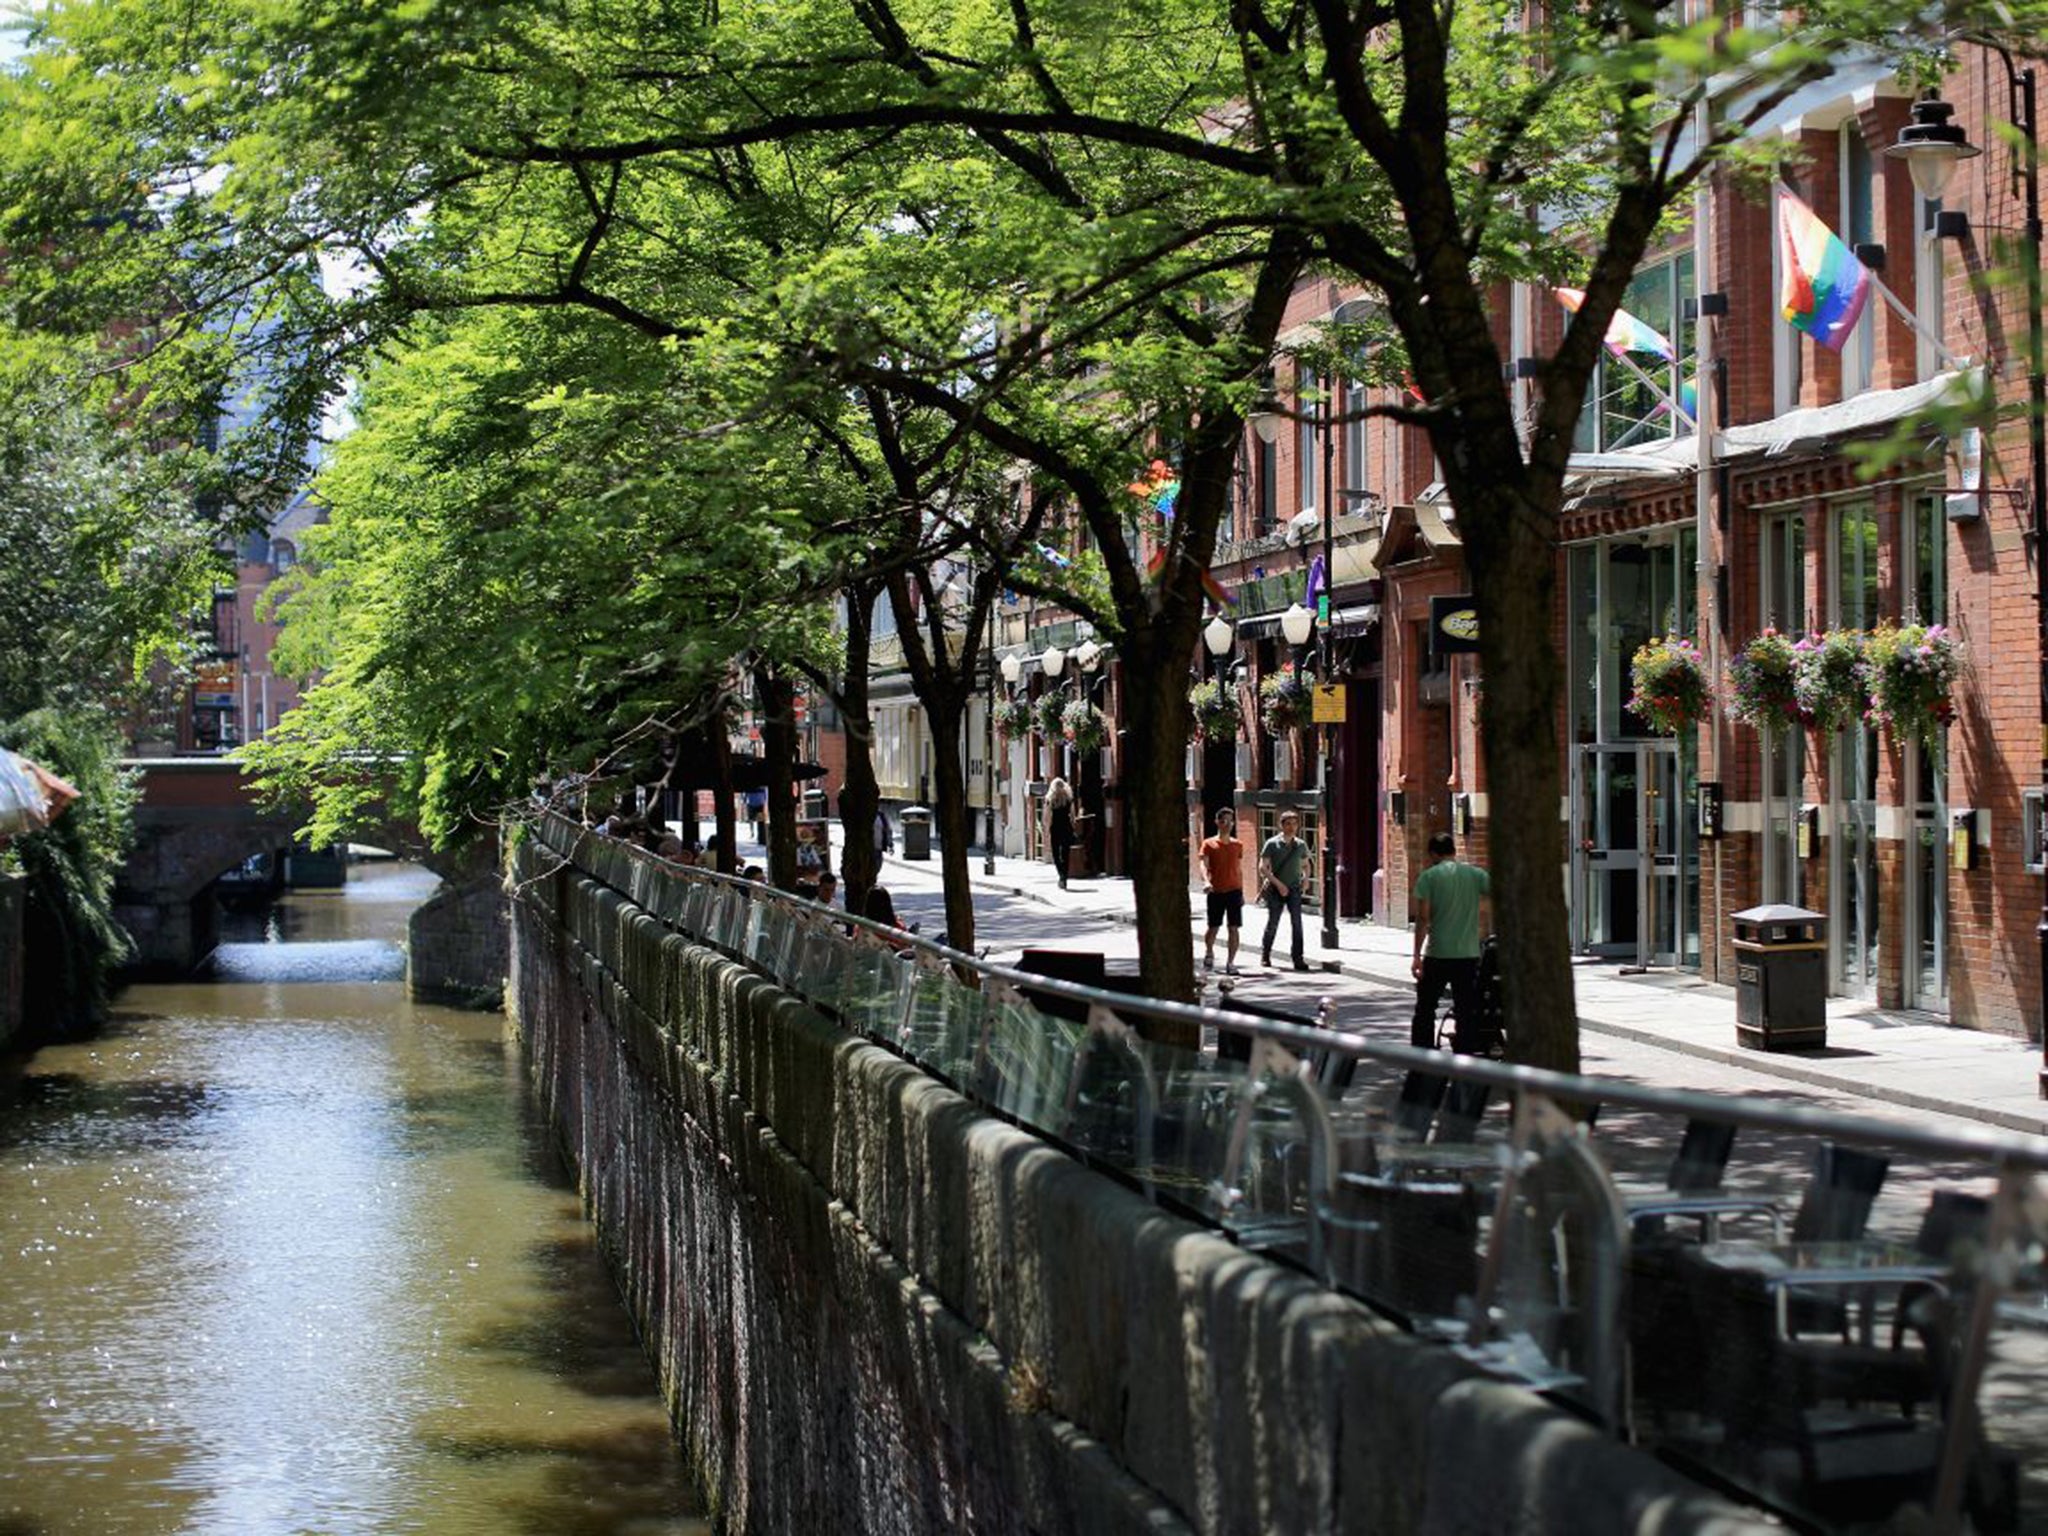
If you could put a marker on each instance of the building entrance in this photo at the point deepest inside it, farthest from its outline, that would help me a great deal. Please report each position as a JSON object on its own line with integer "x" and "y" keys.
{"x": 1629, "y": 852}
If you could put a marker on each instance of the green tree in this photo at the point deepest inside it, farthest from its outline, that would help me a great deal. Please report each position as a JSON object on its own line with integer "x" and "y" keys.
{"x": 1068, "y": 230}
{"x": 103, "y": 562}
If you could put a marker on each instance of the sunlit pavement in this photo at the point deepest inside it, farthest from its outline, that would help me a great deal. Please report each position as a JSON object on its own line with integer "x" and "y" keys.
{"x": 1666, "y": 1027}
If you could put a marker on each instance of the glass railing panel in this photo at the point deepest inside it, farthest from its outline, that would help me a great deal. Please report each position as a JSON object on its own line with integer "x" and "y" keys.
{"x": 1027, "y": 1059}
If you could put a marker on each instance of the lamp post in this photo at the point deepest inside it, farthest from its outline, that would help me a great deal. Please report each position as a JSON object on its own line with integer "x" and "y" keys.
{"x": 1218, "y": 636}
{"x": 1012, "y": 668}
{"x": 1325, "y": 673}
{"x": 1932, "y": 147}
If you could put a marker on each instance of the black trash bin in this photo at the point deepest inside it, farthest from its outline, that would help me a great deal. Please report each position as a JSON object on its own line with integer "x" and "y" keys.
{"x": 917, "y": 831}
{"x": 1781, "y": 978}
{"x": 814, "y": 805}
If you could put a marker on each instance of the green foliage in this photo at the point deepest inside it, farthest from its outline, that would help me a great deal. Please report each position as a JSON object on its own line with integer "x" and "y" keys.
{"x": 1912, "y": 671}
{"x": 1215, "y": 711}
{"x": 1828, "y": 678}
{"x": 1286, "y": 702}
{"x": 1670, "y": 688}
{"x": 1763, "y": 683}
{"x": 70, "y": 934}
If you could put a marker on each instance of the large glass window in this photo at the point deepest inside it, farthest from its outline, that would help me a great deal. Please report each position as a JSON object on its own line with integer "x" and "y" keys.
{"x": 1924, "y": 579}
{"x": 1782, "y": 589}
{"x": 1638, "y": 396}
{"x": 1356, "y": 470}
{"x": 1854, "y": 867}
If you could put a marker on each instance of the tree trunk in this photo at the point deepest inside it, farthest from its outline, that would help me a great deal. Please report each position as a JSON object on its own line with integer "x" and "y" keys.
{"x": 725, "y": 823}
{"x": 1155, "y": 824}
{"x": 949, "y": 785}
{"x": 859, "y": 796}
{"x": 778, "y": 752}
{"x": 1514, "y": 583}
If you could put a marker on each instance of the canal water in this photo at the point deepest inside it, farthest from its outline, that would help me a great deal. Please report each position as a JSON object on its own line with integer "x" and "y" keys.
{"x": 283, "y": 1252}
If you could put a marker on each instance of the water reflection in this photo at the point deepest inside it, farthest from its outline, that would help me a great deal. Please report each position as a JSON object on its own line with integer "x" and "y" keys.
{"x": 293, "y": 1257}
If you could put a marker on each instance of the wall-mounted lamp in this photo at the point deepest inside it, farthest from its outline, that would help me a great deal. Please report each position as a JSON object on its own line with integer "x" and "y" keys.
{"x": 1708, "y": 306}
{"x": 1951, "y": 224}
{"x": 1932, "y": 147}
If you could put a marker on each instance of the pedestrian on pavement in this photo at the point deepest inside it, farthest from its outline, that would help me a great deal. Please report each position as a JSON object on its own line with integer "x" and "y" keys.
{"x": 1223, "y": 882}
{"x": 881, "y": 910}
{"x": 885, "y": 840}
{"x": 1059, "y": 825}
{"x": 1283, "y": 861}
{"x": 1448, "y": 900}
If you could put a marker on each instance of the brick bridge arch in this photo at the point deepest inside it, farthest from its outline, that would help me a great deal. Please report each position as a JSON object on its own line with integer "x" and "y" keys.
{"x": 198, "y": 819}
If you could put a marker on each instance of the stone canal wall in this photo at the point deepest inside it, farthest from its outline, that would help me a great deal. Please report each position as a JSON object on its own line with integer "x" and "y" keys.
{"x": 13, "y": 894}
{"x": 875, "y": 1308}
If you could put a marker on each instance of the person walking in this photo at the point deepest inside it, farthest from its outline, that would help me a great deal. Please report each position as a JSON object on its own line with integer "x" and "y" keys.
{"x": 1223, "y": 882}
{"x": 1059, "y": 825}
{"x": 1447, "y": 901}
{"x": 1283, "y": 860}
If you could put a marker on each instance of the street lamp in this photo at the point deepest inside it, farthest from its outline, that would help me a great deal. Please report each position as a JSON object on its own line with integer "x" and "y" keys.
{"x": 1297, "y": 624}
{"x": 1012, "y": 669}
{"x": 1932, "y": 147}
{"x": 1088, "y": 656}
{"x": 1054, "y": 661}
{"x": 1218, "y": 636}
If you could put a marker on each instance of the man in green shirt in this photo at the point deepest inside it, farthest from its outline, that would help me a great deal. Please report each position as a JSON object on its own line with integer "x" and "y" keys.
{"x": 1283, "y": 862}
{"x": 1447, "y": 900}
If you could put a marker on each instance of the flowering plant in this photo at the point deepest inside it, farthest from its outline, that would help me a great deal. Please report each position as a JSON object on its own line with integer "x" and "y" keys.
{"x": 1047, "y": 714}
{"x": 1670, "y": 685}
{"x": 1085, "y": 725}
{"x": 1286, "y": 702}
{"x": 1216, "y": 715}
{"x": 1012, "y": 716}
{"x": 1761, "y": 677}
{"x": 1911, "y": 672}
{"x": 1827, "y": 678}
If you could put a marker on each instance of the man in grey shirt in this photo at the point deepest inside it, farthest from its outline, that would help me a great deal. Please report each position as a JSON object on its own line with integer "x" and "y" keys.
{"x": 1283, "y": 860}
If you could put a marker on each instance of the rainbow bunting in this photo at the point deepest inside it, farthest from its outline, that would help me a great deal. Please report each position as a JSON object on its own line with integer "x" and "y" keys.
{"x": 1054, "y": 556}
{"x": 1625, "y": 333}
{"x": 1220, "y": 594}
{"x": 1825, "y": 286}
{"x": 1160, "y": 489}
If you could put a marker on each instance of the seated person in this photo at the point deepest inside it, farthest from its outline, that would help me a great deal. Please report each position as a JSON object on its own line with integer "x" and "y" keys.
{"x": 881, "y": 909}
{"x": 828, "y": 888}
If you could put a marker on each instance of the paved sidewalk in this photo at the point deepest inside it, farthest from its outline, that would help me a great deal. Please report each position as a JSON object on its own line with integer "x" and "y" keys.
{"x": 1910, "y": 1060}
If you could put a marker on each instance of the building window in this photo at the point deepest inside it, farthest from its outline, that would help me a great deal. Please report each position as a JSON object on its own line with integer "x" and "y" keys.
{"x": 1305, "y": 442}
{"x": 1857, "y": 227}
{"x": 1357, "y": 472}
{"x": 1268, "y": 486}
{"x": 1640, "y": 397}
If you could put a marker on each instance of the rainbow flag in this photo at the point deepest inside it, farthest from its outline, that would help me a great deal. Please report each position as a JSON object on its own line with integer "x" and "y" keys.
{"x": 1825, "y": 286}
{"x": 1625, "y": 333}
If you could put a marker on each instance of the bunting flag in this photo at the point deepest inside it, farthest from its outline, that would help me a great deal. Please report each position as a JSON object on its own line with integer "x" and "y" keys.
{"x": 1625, "y": 333}
{"x": 1053, "y": 555}
{"x": 1219, "y": 594}
{"x": 1316, "y": 577}
{"x": 1825, "y": 286}
{"x": 1159, "y": 489}
{"x": 1413, "y": 389}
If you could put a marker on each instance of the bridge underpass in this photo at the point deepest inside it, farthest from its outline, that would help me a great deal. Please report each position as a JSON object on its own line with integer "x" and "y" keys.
{"x": 199, "y": 819}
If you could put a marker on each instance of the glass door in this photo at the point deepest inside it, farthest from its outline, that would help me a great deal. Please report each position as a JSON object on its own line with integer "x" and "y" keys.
{"x": 1854, "y": 876}
{"x": 1631, "y": 850}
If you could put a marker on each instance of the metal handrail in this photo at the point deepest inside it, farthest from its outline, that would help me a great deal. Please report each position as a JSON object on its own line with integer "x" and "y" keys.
{"x": 1279, "y": 1072}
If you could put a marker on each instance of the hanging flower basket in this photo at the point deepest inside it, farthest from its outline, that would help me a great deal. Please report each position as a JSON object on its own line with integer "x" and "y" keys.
{"x": 1671, "y": 690}
{"x": 1911, "y": 672}
{"x": 1762, "y": 679}
{"x": 1012, "y": 717}
{"x": 1215, "y": 711}
{"x": 1827, "y": 679}
{"x": 1286, "y": 702}
{"x": 1084, "y": 725}
{"x": 1046, "y": 711}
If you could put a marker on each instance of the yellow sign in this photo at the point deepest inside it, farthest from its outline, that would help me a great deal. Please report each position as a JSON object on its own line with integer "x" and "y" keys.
{"x": 1328, "y": 707}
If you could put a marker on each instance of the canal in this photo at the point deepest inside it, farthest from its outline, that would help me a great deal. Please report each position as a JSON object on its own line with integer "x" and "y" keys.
{"x": 284, "y": 1252}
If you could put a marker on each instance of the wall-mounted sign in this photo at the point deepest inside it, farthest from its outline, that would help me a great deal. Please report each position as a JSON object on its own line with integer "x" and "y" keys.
{"x": 1327, "y": 707}
{"x": 1453, "y": 625}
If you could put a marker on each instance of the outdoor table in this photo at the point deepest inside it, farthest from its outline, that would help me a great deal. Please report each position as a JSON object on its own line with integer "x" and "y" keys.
{"x": 1860, "y": 1268}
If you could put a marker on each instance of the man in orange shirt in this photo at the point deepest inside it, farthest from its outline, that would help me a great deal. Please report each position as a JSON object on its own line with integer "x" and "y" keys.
{"x": 1223, "y": 880}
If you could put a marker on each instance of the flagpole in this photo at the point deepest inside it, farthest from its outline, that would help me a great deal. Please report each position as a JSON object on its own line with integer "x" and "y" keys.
{"x": 1657, "y": 389}
{"x": 1948, "y": 358}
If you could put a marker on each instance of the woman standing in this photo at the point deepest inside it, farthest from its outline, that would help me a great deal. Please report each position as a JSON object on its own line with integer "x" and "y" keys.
{"x": 1059, "y": 825}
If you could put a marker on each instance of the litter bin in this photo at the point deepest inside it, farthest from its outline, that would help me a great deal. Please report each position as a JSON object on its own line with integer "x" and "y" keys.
{"x": 917, "y": 832}
{"x": 1781, "y": 978}
{"x": 814, "y": 805}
